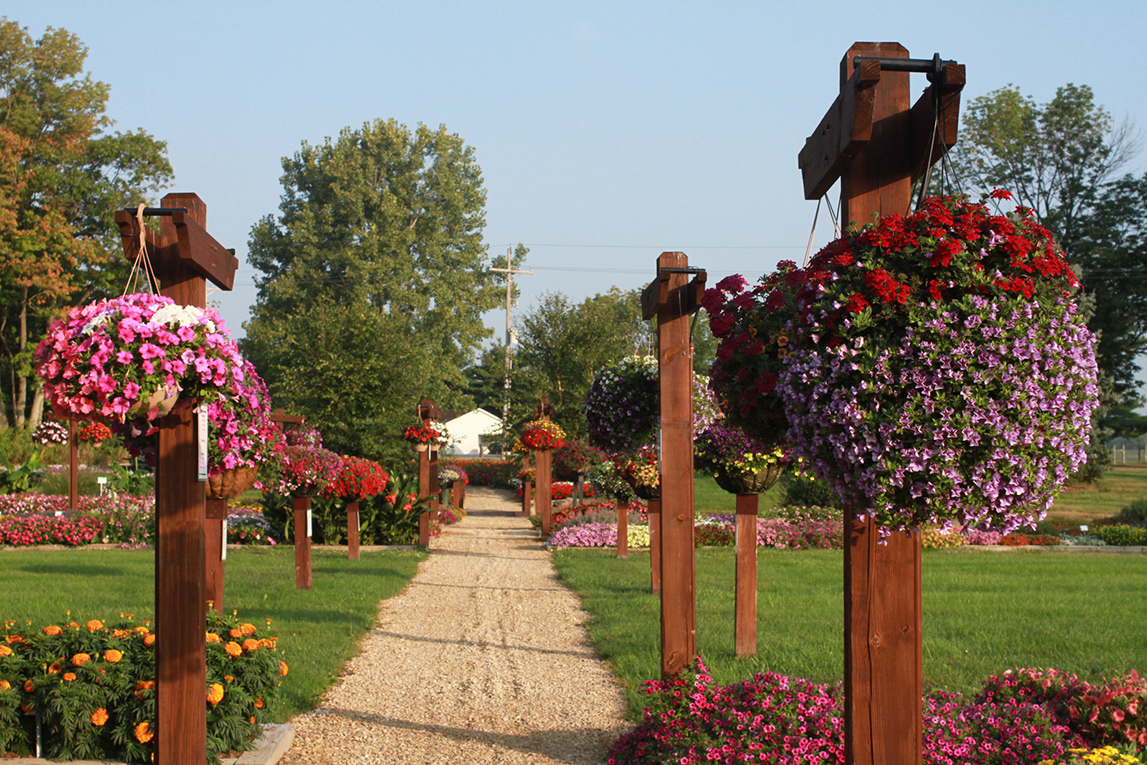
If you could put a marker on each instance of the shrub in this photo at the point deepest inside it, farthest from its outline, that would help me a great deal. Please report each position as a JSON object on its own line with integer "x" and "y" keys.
{"x": 1122, "y": 535}
{"x": 1134, "y": 514}
{"x": 933, "y": 538}
{"x": 800, "y": 487}
{"x": 485, "y": 472}
{"x": 93, "y": 687}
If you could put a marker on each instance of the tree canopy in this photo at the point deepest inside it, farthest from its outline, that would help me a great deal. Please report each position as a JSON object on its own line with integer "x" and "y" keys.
{"x": 387, "y": 223}
{"x": 62, "y": 176}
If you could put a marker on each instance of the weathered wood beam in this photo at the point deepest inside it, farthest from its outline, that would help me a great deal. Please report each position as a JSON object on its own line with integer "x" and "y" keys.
{"x": 843, "y": 131}
{"x": 923, "y": 119}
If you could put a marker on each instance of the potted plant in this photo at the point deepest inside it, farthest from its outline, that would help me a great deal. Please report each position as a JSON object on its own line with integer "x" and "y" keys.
{"x": 134, "y": 354}
{"x": 243, "y": 440}
{"x": 739, "y": 463}
{"x": 932, "y": 367}
{"x": 542, "y": 435}
{"x": 357, "y": 479}
{"x": 307, "y": 468}
{"x": 422, "y": 435}
{"x": 642, "y": 472}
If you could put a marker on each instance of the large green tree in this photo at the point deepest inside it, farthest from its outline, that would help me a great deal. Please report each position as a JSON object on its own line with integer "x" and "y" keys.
{"x": 1060, "y": 159}
{"x": 62, "y": 176}
{"x": 387, "y": 220}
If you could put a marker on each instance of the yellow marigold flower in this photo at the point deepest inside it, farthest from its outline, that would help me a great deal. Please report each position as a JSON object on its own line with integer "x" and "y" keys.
{"x": 250, "y": 644}
{"x": 233, "y": 648}
{"x": 143, "y": 732}
{"x": 81, "y": 659}
{"x": 100, "y": 716}
{"x": 247, "y": 629}
{"x": 53, "y": 629}
{"x": 213, "y": 638}
{"x": 69, "y": 676}
{"x": 149, "y": 640}
{"x": 5, "y": 650}
{"x": 236, "y": 633}
{"x": 214, "y": 693}
{"x": 95, "y": 625}
{"x": 112, "y": 655}
{"x": 5, "y": 685}
{"x": 118, "y": 633}
{"x": 282, "y": 669}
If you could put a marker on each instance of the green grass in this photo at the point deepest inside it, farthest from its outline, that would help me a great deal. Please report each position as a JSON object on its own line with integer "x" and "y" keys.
{"x": 318, "y": 629}
{"x": 1118, "y": 487}
{"x": 983, "y": 613}
{"x": 708, "y": 497}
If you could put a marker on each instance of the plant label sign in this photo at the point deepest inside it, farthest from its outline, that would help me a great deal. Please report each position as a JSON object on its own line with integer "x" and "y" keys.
{"x": 201, "y": 412}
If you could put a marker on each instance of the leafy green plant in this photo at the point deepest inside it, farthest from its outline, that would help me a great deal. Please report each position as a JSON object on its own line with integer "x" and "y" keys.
{"x": 1122, "y": 535}
{"x": 20, "y": 480}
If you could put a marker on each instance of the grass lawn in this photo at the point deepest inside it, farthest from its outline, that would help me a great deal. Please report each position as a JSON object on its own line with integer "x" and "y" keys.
{"x": 983, "y": 613}
{"x": 318, "y": 629}
{"x": 1118, "y": 487}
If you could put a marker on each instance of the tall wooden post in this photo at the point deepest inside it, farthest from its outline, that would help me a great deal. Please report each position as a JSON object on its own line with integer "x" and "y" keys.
{"x": 303, "y": 577}
{"x": 427, "y": 413}
{"x": 622, "y": 530}
{"x": 876, "y": 144}
{"x": 543, "y": 462}
{"x": 745, "y": 609}
{"x": 653, "y": 513}
{"x": 215, "y": 540}
{"x": 182, "y": 255}
{"x": 527, "y": 488}
{"x": 73, "y": 466}
{"x": 671, "y": 297}
{"x": 352, "y": 552}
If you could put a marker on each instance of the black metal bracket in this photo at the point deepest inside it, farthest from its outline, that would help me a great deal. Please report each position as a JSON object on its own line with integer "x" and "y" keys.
{"x": 155, "y": 211}
{"x": 933, "y": 67}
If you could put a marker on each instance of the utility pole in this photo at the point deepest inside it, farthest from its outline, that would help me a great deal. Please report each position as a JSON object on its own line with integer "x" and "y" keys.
{"x": 509, "y": 272}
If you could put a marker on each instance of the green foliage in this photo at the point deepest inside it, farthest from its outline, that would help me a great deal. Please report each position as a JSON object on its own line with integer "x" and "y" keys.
{"x": 61, "y": 178}
{"x": 1135, "y": 513}
{"x": 801, "y": 488}
{"x": 1121, "y": 535}
{"x": 20, "y": 480}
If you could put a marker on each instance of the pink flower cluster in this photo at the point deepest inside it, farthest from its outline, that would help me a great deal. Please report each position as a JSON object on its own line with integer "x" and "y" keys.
{"x": 307, "y": 470}
{"x": 242, "y": 432}
{"x": 108, "y": 356}
{"x": 30, "y": 530}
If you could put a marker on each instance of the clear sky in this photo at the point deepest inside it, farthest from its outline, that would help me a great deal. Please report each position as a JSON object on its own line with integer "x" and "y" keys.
{"x": 607, "y": 132}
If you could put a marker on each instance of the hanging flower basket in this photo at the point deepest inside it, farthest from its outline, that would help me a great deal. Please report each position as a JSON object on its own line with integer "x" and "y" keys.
{"x": 231, "y": 482}
{"x": 357, "y": 479}
{"x": 750, "y": 482}
{"x": 129, "y": 355}
{"x": 934, "y": 367}
{"x": 542, "y": 435}
{"x": 422, "y": 436}
{"x": 642, "y": 472}
{"x": 739, "y": 462}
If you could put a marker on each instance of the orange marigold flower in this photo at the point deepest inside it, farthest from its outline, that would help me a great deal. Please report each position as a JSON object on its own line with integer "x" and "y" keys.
{"x": 5, "y": 685}
{"x": 120, "y": 633}
{"x": 73, "y": 625}
{"x": 69, "y": 676}
{"x": 112, "y": 655}
{"x": 213, "y": 638}
{"x": 27, "y": 707}
{"x": 250, "y": 644}
{"x": 53, "y": 629}
{"x": 282, "y": 669}
{"x": 143, "y": 732}
{"x": 149, "y": 640}
{"x": 248, "y": 629}
{"x": 29, "y": 686}
{"x": 228, "y": 678}
{"x": 236, "y": 633}
{"x": 100, "y": 716}
{"x": 267, "y": 643}
{"x": 233, "y": 649}
{"x": 81, "y": 659}
{"x": 141, "y": 630}
{"x": 94, "y": 625}
{"x": 252, "y": 719}
{"x": 259, "y": 703}
{"x": 5, "y": 650}
{"x": 15, "y": 639}
{"x": 142, "y": 687}
{"x": 55, "y": 667}
{"x": 214, "y": 693}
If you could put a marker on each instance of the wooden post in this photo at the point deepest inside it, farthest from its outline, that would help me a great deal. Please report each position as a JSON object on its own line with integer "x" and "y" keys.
{"x": 73, "y": 466}
{"x": 543, "y": 460}
{"x": 182, "y": 255}
{"x": 527, "y": 488}
{"x": 303, "y": 579}
{"x": 653, "y": 513}
{"x": 877, "y": 144}
{"x": 458, "y": 494}
{"x": 745, "y": 612}
{"x": 427, "y": 412}
{"x": 435, "y": 489}
{"x": 671, "y": 297}
{"x": 352, "y": 530}
{"x": 215, "y": 540}
{"x": 622, "y": 530}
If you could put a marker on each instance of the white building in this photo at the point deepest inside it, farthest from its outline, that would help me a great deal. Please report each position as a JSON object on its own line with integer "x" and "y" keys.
{"x": 471, "y": 433}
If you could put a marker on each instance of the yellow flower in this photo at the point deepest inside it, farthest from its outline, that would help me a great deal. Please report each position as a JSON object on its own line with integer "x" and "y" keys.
{"x": 53, "y": 629}
{"x": 81, "y": 659}
{"x": 94, "y": 625}
{"x": 143, "y": 732}
{"x": 233, "y": 649}
{"x": 100, "y": 716}
{"x": 112, "y": 655}
{"x": 215, "y": 693}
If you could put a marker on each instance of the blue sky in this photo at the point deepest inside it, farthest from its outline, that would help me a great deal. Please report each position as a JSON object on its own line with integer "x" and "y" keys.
{"x": 607, "y": 132}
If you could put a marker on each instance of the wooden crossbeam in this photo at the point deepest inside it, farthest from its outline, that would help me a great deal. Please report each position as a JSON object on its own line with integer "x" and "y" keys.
{"x": 193, "y": 246}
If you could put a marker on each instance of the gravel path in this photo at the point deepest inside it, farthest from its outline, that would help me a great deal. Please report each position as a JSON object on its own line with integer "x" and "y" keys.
{"x": 482, "y": 659}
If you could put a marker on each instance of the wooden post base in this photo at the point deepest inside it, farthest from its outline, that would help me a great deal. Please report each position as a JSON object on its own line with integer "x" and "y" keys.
{"x": 745, "y": 612}
{"x": 215, "y": 539}
{"x": 352, "y": 531}
{"x": 303, "y": 580}
{"x": 654, "y": 515}
{"x": 622, "y": 530}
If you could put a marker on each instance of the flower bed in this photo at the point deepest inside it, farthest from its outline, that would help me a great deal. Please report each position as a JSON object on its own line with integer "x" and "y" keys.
{"x": 30, "y": 519}
{"x": 1024, "y": 716}
{"x": 485, "y": 472}
{"x": 93, "y": 688}
{"x": 598, "y": 535}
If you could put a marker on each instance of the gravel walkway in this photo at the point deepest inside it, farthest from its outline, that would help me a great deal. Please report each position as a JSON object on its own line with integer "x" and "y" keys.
{"x": 482, "y": 659}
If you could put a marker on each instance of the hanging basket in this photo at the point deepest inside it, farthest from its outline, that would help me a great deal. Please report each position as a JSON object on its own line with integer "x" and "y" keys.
{"x": 231, "y": 483}
{"x": 162, "y": 400}
{"x": 749, "y": 483}
{"x": 420, "y": 446}
{"x": 645, "y": 491}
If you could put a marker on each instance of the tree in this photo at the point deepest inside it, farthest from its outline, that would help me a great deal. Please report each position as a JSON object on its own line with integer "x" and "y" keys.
{"x": 61, "y": 179}
{"x": 1059, "y": 159}
{"x": 382, "y": 220}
